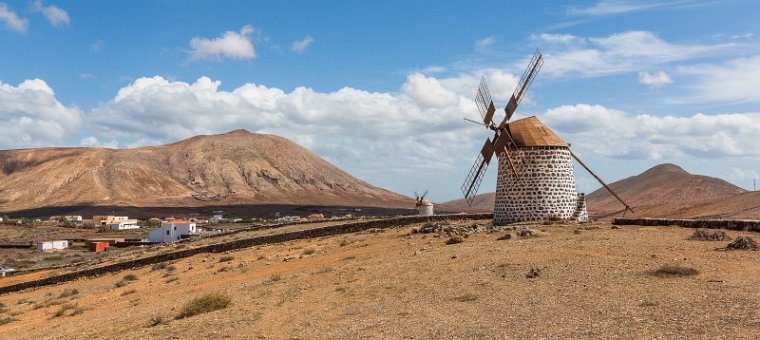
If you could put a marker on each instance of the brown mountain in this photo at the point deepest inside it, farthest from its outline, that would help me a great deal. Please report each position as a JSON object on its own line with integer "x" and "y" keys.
{"x": 665, "y": 190}
{"x": 238, "y": 167}
{"x": 481, "y": 203}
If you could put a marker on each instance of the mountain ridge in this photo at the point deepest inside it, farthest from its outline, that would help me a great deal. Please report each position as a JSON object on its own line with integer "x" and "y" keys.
{"x": 237, "y": 167}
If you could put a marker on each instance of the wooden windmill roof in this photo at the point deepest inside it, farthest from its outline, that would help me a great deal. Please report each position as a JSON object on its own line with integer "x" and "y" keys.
{"x": 532, "y": 132}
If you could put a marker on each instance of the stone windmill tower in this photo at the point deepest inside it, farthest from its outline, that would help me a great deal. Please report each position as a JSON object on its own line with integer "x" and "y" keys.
{"x": 424, "y": 206}
{"x": 535, "y": 178}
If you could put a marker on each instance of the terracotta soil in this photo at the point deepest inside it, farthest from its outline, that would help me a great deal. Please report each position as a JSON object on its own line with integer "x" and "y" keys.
{"x": 593, "y": 283}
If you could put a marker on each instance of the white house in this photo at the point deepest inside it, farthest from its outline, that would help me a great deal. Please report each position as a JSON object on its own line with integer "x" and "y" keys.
{"x": 287, "y": 219}
{"x": 217, "y": 216}
{"x": 73, "y": 218}
{"x": 123, "y": 225}
{"x": 172, "y": 231}
{"x": 52, "y": 245}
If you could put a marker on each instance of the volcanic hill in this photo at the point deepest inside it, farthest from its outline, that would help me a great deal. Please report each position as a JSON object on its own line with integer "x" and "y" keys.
{"x": 237, "y": 167}
{"x": 665, "y": 190}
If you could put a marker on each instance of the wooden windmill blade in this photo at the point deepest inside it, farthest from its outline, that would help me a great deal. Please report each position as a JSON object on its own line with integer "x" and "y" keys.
{"x": 484, "y": 101}
{"x": 527, "y": 78}
{"x": 477, "y": 172}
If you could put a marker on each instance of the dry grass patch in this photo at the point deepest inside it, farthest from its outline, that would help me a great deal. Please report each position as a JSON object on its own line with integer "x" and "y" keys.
{"x": 708, "y": 235}
{"x": 468, "y": 297}
{"x": 204, "y": 304}
{"x": 675, "y": 271}
{"x": 68, "y": 292}
{"x": 5, "y": 321}
{"x": 226, "y": 258}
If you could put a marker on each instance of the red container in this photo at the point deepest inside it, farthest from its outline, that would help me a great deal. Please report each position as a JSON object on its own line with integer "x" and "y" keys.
{"x": 98, "y": 246}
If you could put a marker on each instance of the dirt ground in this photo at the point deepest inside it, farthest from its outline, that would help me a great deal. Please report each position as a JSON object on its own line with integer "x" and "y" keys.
{"x": 592, "y": 283}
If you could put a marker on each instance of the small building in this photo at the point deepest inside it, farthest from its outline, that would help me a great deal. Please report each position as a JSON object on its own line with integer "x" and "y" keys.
{"x": 52, "y": 245}
{"x": 288, "y": 219}
{"x": 217, "y": 216}
{"x": 123, "y": 225}
{"x": 97, "y": 247}
{"x": 425, "y": 207}
{"x": 73, "y": 218}
{"x": 172, "y": 231}
{"x": 6, "y": 271}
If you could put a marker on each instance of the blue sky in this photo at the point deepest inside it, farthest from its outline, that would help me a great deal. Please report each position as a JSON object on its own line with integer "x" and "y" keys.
{"x": 380, "y": 88}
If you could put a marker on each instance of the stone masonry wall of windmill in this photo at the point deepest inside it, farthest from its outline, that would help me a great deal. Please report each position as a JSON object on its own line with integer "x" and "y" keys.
{"x": 545, "y": 189}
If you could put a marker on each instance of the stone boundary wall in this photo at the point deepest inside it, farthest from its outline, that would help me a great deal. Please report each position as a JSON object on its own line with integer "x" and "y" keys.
{"x": 237, "y": 244}
{"x": 744, "y": 225}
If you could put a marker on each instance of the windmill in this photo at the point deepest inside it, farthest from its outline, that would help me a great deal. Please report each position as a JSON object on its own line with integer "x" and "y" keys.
{"x": 424, "y": 206}
{"x": 535, "y": 177}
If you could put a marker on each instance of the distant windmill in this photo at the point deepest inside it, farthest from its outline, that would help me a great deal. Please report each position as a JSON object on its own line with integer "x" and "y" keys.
{"x": 535, "y": 177}
{"x": 424, "y": 206}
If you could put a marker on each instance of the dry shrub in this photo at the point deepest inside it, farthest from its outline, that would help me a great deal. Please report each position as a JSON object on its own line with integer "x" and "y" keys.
{"x": 468, "y": 297}
{"x": 708, "y": 235}
{"x": 455, "y": 240}
{"x": 309, "y": 251}
{"x": 204, "y": 304}
{"x": 675, "y": 271}
{"x": 226, "y": 258}
{"x": 743, "y": 243}
{"x": 128, "y": 292}
{"x": 5, "y": 321}
{"x": 159, "y": 266}
{"x": 533, "y": 273}
{"x": 130, "y": 277}
{"x": 68, "y": 292}
{"x": 506, "y": 236}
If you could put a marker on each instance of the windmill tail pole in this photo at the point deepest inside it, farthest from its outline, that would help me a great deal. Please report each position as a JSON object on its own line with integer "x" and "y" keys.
{"x": 600, "y": 181}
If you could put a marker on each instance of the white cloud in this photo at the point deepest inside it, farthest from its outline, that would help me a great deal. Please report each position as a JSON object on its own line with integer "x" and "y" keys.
{"x": 300, "y": 46}
{"x": 743, "y": 175}
{"x": 419, "y": 128}
{"x": 92, "y": 141}
{"x": 568, "y": 55}
{"x": 97, "y": 46}
{"x": 618, "y": 134}
{"x": 613, "y": 7}
{"x": 233, "y": 45}
{"x": 428, "y": 92}
{"x": 485, "y": 42}
{"x": 654, "y": 80}
{"x": 54, "y": 15}
{"x": 86, "y": 75}
{"x": 558, "y": 38}
{"x": 733, "y": 81}
{"x": 11, "y": 20}
{"x": 35, "y": 115}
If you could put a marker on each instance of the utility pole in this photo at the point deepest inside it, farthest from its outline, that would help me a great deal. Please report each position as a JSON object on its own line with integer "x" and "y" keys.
{"x": 754, "y": 184}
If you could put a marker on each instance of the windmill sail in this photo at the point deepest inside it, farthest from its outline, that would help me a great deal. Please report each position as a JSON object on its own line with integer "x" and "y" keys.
{"x": 484, "y": 101}
{"x": 527, "y": 78}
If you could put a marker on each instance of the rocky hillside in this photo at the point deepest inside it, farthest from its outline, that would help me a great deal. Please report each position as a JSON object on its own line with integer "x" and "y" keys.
{"x": 662, "y": 191}
{"x": 238, "y": 167}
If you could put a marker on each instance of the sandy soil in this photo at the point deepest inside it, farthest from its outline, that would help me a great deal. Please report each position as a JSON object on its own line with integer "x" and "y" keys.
{"x": 593, "y": 283}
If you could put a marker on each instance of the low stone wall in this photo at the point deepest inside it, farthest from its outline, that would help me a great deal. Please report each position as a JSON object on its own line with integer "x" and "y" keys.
{"x": 237, "y": 244}
{"x": 746, "y": 225}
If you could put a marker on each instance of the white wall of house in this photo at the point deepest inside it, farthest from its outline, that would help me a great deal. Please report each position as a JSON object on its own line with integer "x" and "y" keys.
{"x": 172, "y": 231}
{"x": 123, "y": 225}
{"x": 52, "y": 245}
{"x": 73, "y": 218}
